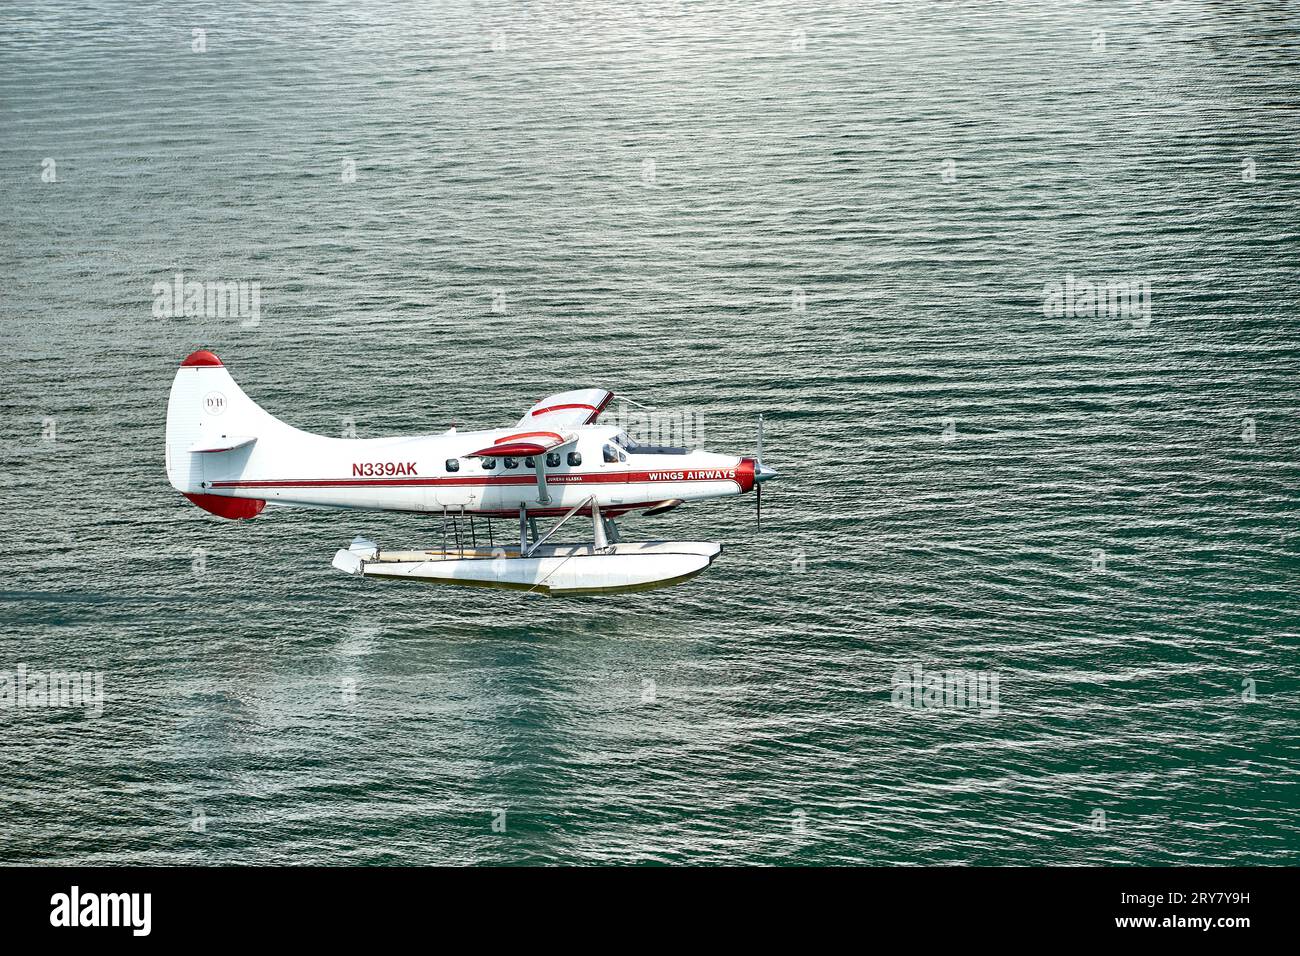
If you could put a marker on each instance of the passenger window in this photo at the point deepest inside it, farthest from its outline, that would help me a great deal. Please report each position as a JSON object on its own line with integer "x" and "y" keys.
{"x": 488, "y": 463}
{"x": 510, "y": 462}
{"x": 575, "y": 459}
{"x": 553, "y": 459}
{"x": 529, "y": 463}
{"x": 453, "y": 464}
{"x": 611, "y": 455}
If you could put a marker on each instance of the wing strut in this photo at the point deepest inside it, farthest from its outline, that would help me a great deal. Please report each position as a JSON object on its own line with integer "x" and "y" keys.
{"x": 540, "y": 461}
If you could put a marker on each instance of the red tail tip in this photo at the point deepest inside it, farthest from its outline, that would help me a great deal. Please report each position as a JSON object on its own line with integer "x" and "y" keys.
{"x": 201, "y": 358}
{"x": 224, "y": 507}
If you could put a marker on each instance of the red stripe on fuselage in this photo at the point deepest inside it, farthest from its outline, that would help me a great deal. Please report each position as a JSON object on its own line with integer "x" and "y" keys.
{"x": 620, "y": 477}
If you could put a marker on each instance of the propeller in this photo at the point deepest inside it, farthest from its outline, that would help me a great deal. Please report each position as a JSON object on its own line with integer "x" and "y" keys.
{"x": 758, "y": 484}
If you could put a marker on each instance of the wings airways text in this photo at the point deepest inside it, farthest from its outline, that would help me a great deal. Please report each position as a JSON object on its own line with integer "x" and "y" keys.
{"x": 706, "y": 474}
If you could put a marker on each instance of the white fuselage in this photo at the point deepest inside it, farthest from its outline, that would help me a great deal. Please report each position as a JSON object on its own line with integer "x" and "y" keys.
{"x": 413, "y": 474}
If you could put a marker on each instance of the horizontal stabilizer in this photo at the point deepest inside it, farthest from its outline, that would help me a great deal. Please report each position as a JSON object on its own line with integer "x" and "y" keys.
{"x": 222, "y": 443}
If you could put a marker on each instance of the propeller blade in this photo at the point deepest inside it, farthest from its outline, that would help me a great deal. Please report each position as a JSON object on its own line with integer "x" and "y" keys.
{"x": 758, "y": 507}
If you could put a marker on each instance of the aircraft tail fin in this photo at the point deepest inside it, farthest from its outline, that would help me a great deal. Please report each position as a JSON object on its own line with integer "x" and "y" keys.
{"x": 211, "y": 424}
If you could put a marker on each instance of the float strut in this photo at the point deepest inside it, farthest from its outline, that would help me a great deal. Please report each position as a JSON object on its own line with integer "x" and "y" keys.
{"x": 598, "y": 526}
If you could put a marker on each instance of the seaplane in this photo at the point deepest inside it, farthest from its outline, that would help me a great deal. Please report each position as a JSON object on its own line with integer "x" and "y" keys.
{"x": 232, "y": 459}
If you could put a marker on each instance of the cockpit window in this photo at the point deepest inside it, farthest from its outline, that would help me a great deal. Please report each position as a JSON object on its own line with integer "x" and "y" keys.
{"x": 611, "y": 454}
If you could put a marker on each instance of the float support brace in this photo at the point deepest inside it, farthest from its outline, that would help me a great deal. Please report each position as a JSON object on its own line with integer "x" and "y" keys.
{"x": 598, "y": 524}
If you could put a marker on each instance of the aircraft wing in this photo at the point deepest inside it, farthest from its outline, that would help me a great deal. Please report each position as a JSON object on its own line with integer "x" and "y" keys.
{"x": 578, "y": 407}
{"x": 524, "y": 444}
